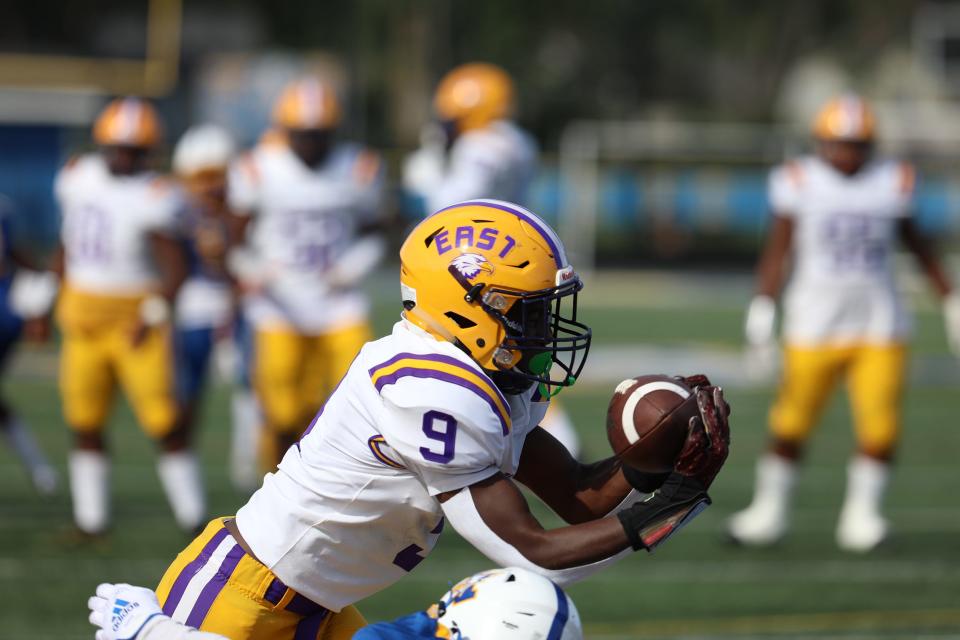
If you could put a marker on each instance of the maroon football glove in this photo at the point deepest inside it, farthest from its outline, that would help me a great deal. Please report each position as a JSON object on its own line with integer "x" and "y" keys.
{"x": 708, "y": 439}
{"x": 694, "y": 381}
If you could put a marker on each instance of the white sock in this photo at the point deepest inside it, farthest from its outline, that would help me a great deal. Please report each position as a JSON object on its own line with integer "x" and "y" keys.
{"x": 25, "y": 447}
{"x": 180, "y": 476}
{"x": 776, "y": 478}
{"x": 89, "y": 487}
{"x": 867, "y": 480}
{"x": 245, "y": 411}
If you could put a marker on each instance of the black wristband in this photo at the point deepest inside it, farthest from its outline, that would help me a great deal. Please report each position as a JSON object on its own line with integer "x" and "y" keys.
{"x": 680, "y": 496}
{"x": 643, "y": 481}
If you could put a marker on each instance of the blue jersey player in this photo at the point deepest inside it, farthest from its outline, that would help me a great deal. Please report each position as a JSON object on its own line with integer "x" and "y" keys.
{"x": 18, "y": 294}
{"x": 500, "y": 604}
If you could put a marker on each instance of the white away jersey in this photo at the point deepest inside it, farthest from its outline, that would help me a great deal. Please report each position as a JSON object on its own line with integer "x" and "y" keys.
{"x": 352, "y": 507}
{"x": 305, "y": 219}
{"x": 843, "y": 288}
{"x": 106, "y": 223}
{"x": 496, "y": 162}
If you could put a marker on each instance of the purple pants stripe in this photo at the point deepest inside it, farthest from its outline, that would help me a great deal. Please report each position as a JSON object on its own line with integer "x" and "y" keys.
{"x": 213, "y": 588}
{"x": 180, "y": 585}
{"x": 309, "y": 627}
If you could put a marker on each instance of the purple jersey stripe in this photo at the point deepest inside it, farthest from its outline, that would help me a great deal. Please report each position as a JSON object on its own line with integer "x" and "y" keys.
{"x": 436, "y": 357}
{"x": 559, "y": 255}
{"x": 446, "y": 377}
{"x": 180, "y": 584}
{"x": 214, "y": 587}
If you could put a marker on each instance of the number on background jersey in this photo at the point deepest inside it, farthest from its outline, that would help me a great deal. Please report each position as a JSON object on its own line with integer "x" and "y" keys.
{"x": 856, "y": 243}
{"x": 88, "y": 235}
{"x": 315, "y": 236}
{"x": 441, "y": 427}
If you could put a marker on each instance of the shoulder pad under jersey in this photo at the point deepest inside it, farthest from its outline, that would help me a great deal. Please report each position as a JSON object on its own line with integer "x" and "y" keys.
{"x": 443, "y": 383}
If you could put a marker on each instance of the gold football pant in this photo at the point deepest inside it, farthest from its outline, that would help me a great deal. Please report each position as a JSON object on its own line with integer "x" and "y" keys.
{"x": 875, "y": 380}
{"x": 93, "y": 363}
{"x": 294, "y": 373}
{"x": 214, "y": 586}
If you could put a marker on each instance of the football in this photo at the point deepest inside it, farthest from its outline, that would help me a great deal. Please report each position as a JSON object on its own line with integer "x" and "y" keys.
{"x": 647, "y": 421}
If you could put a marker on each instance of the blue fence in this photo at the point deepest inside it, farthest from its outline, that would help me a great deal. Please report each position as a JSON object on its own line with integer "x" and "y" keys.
{"x": 698, "y": 200}
{"x": 707, "y": 200}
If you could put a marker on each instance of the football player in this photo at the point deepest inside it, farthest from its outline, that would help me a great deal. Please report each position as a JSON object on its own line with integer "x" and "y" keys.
{"x": 437, "y": 423}
{"x": 838, "y": 214}
{"x": 121, "y": 262}
{"x": 205, "y": 309}
{"x": 19, "y": 283}
{"x": 312, "y": 205}
{"x": 501, "y": 604}
{"x": 477, "y": 151}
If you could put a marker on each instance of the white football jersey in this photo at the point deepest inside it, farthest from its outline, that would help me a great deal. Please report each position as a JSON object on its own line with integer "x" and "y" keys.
{"x": 352, "y": 507}
{"x": 305, "y": 219}
{"x": 842, "y": 289}
{"x": 106, "y": 223}
{"x": 496, "y": 162}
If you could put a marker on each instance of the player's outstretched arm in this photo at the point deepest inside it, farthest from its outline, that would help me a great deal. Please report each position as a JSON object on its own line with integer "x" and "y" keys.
{"x": 577, "y": 492}
{"x": 494, "y": 516}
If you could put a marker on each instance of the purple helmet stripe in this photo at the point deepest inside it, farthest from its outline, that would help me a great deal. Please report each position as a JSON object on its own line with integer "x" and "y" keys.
{"x": 435, "y": 357}
{"x": 553, "y": 241}
{"x": 414, "y": 372}
{"x": 186, "y": 575}
{"x": 214, "y": 587}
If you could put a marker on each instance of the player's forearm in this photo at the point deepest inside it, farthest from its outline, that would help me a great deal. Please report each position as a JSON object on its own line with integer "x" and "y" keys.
{"x": 576, "y": 492}
{"x": 512, "y": 536}
{"x": 172, "y": 264}
{"x": 575, "y": 545}
{"x": 599, "y": 488}
{"x": 771, "y": 268}
{"x": 926, "y": 257}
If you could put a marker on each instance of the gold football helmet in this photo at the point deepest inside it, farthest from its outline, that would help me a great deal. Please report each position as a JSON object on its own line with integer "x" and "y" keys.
{"x": 493, "y": 278}
{"x": 473, "y": 95}
{"x": 128, "y": 122}
{"x": 307, "y": 104}
{"x": 845, "y": 118}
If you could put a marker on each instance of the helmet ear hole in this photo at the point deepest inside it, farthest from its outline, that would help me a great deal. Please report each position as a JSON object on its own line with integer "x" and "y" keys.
{"x": 462, "y": 321}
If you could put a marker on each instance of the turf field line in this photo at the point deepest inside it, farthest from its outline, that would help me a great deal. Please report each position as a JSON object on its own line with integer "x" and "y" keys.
{"x": 910, "y": 620}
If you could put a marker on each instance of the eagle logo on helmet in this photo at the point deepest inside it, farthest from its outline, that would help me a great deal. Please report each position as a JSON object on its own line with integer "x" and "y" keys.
{"x": 470, "y": 265}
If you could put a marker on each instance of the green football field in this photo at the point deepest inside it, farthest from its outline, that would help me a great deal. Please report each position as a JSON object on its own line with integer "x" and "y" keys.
{"x": 696, "y": 586}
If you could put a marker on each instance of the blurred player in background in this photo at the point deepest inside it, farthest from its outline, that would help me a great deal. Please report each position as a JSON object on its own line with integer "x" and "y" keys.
{"x": 476, "y": 150}
{"x": 19, "y": 281}
{"x": 500, "y": 604}
{"x": 121, "y": 262}
{"x": 838, "y": 214}
{"x": 205, "y": 309}
{"x": 313, "y": 206}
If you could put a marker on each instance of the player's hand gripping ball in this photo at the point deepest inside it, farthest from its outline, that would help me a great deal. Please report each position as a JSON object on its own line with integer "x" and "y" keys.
{"x": 650, "y": 418}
